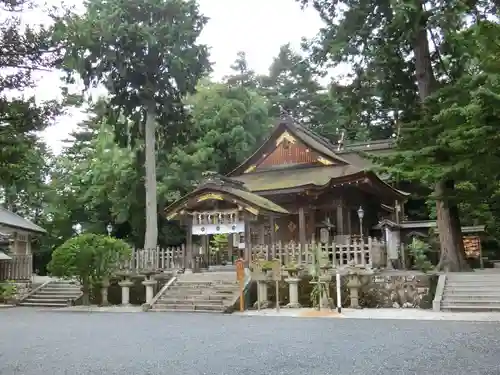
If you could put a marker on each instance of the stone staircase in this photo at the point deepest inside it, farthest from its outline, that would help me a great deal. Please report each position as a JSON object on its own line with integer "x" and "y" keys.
{"x": 199, "y": 292}
{"x": 57, "y": 293}
{"x": 471, "y": 291}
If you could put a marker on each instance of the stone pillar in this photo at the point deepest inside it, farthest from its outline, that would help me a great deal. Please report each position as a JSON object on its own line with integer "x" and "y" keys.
{"x": 149, "y": 284}
{"x": 324, "y": 282}
{"x": 104, "y": 293}
{"x": 125, "y": 285}
{"x": 354, "y": 284}
{"x": 262, "y": 294}
{"x": 293, "y": 292}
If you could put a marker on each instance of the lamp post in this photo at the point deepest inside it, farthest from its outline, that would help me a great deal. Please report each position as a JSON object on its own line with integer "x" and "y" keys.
{"x": 361, "y": 214}
{"x": 109, "y": 228}
{"x": 78, "y": 228}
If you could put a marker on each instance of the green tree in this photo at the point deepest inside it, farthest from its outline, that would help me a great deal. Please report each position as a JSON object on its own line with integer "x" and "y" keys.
{"x": 23, "y": 158}
{"x": 90, "y": 258}
{"x": 146, "y": 53}
{"x": 380, "y": 35}
{"x": 228, "y": 123}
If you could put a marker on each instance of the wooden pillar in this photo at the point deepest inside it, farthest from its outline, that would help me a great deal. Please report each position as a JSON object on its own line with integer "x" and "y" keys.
{"x": 188, "y": 259}
{"x": 262, "y": 234}
{"x": 230, "y": 240}
{"x": 206, "y": 253}
{"x": 349, "y": 221}
{"x": 340, "y": 219}
{"x": 272, "y": 231}
{"x": 302, "y": 229}
{"x": 248, "y": 242}
{"x": 312, "y": 226}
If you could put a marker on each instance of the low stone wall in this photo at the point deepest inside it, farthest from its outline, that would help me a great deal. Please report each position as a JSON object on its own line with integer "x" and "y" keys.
{"x": 22, "y": 288}
{"x": 406, "y": 289}
{"x": 413, "y": 290}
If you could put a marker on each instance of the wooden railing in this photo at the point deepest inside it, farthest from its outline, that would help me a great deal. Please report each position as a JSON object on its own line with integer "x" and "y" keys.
{"x": 156, "y": 259}
{"x": 353, "y": 252}
{"x": 19, "y": 268}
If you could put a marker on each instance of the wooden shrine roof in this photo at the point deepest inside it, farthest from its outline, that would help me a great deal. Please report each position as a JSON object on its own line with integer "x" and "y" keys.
{"x": 219, "y": 188}
{"x": 317, "y": 177}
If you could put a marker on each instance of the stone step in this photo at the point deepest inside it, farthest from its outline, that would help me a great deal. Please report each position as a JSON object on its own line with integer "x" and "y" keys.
{"x": 478, "y": 284}
{"x": 207, "y": 284}
{"x": 203, "y": 290}
{"x": 189, "y": 307}
{"x": 474, "y": 299}
{"x": 58, "y": 291}
{"x": 213, "y": 297}
{"x": 470, "y": 307}
{"x": 177, "y": 301}
{"x": 43, "y": 304}
{"x": 54, "y": 296}
{"x": 48, "y": 300}
{"x": 466, "y": 292}
{"x": 163, "y": 309}
{"x": 62, "y": 285}
{"x": 459, "y": 302}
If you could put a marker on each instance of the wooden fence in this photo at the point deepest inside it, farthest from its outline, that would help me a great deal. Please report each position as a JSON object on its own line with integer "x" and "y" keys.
{"x": 352, "y": 252}
{"x": 156, "y": 259}
{"x": 19, "y": 268}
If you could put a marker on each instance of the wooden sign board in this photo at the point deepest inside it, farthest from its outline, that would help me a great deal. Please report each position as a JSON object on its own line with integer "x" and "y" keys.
{"x": 240, "y": 270}
{"x": 472, "y": 245}
{"x": 276, "y": 270}
{"x": 256, "y": 272}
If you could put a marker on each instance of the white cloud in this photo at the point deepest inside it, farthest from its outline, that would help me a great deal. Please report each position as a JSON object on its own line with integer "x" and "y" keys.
{"x": 258, "y": 27}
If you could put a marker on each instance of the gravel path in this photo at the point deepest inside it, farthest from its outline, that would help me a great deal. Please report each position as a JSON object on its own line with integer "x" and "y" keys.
{"x": 55, "y": 343}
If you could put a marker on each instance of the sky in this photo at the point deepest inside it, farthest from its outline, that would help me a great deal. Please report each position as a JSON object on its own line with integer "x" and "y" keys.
{"x": 257, "y": 27}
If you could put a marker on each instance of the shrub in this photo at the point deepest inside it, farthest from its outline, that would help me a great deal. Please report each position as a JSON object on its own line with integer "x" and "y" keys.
{"x": 7, "y": 291}
{"x": 90, "y": 258}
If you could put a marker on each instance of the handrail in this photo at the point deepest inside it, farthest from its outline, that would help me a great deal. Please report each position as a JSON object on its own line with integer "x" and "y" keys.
{"x": 148, "y": 306}
{"x": 248, "y": 279}
{"x": 438, "y": 296}
{"x": 33, "y": 291}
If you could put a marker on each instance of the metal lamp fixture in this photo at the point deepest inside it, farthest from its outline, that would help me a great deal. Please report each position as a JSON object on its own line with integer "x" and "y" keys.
{"x": 109, "y": 228}
{"x": 361, "y": 214}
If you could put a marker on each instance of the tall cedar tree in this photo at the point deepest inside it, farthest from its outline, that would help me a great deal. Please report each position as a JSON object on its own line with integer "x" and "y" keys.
{"x": 371, "y": 33}
{"x": 146, "y": 54}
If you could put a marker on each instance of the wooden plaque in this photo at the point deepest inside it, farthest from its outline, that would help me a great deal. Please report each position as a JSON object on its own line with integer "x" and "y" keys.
{"x": 256, "y": 272}
{"x": 276, "y": 270}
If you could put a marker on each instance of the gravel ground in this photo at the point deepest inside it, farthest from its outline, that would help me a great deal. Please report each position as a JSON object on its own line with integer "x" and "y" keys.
{"x": 54, "y": 343}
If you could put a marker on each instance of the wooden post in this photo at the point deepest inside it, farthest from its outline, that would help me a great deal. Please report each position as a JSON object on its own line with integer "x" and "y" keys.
{"x": 188, "y": 255}
{"x": 302, "y": 230}
{"x": 248, "y": 242}
{"x": 272, "y": 234}
{"x": 340, "y": 219}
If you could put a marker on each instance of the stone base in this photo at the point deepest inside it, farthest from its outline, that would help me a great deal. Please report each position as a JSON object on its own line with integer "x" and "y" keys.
{"x": 263, "y": 304}
{"x": 294, "y": 305}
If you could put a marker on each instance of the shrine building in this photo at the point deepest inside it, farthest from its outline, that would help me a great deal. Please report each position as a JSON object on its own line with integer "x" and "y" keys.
{"x": 299, "y": 188}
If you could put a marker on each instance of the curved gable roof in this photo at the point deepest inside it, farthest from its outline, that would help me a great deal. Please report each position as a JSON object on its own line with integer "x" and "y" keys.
{"x": 307, "y": 137}
{"x": 226, "y": 190}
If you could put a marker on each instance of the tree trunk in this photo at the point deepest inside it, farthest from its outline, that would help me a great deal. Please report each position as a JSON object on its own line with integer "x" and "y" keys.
{"x": 448, "y": 215}
{"x": 151, "y": 236}
{"x": 85, "y": 293}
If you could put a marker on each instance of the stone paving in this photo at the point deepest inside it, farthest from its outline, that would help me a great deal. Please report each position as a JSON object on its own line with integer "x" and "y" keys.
{"x": 47, "y": 342}
{"x": 397, "y": 314}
